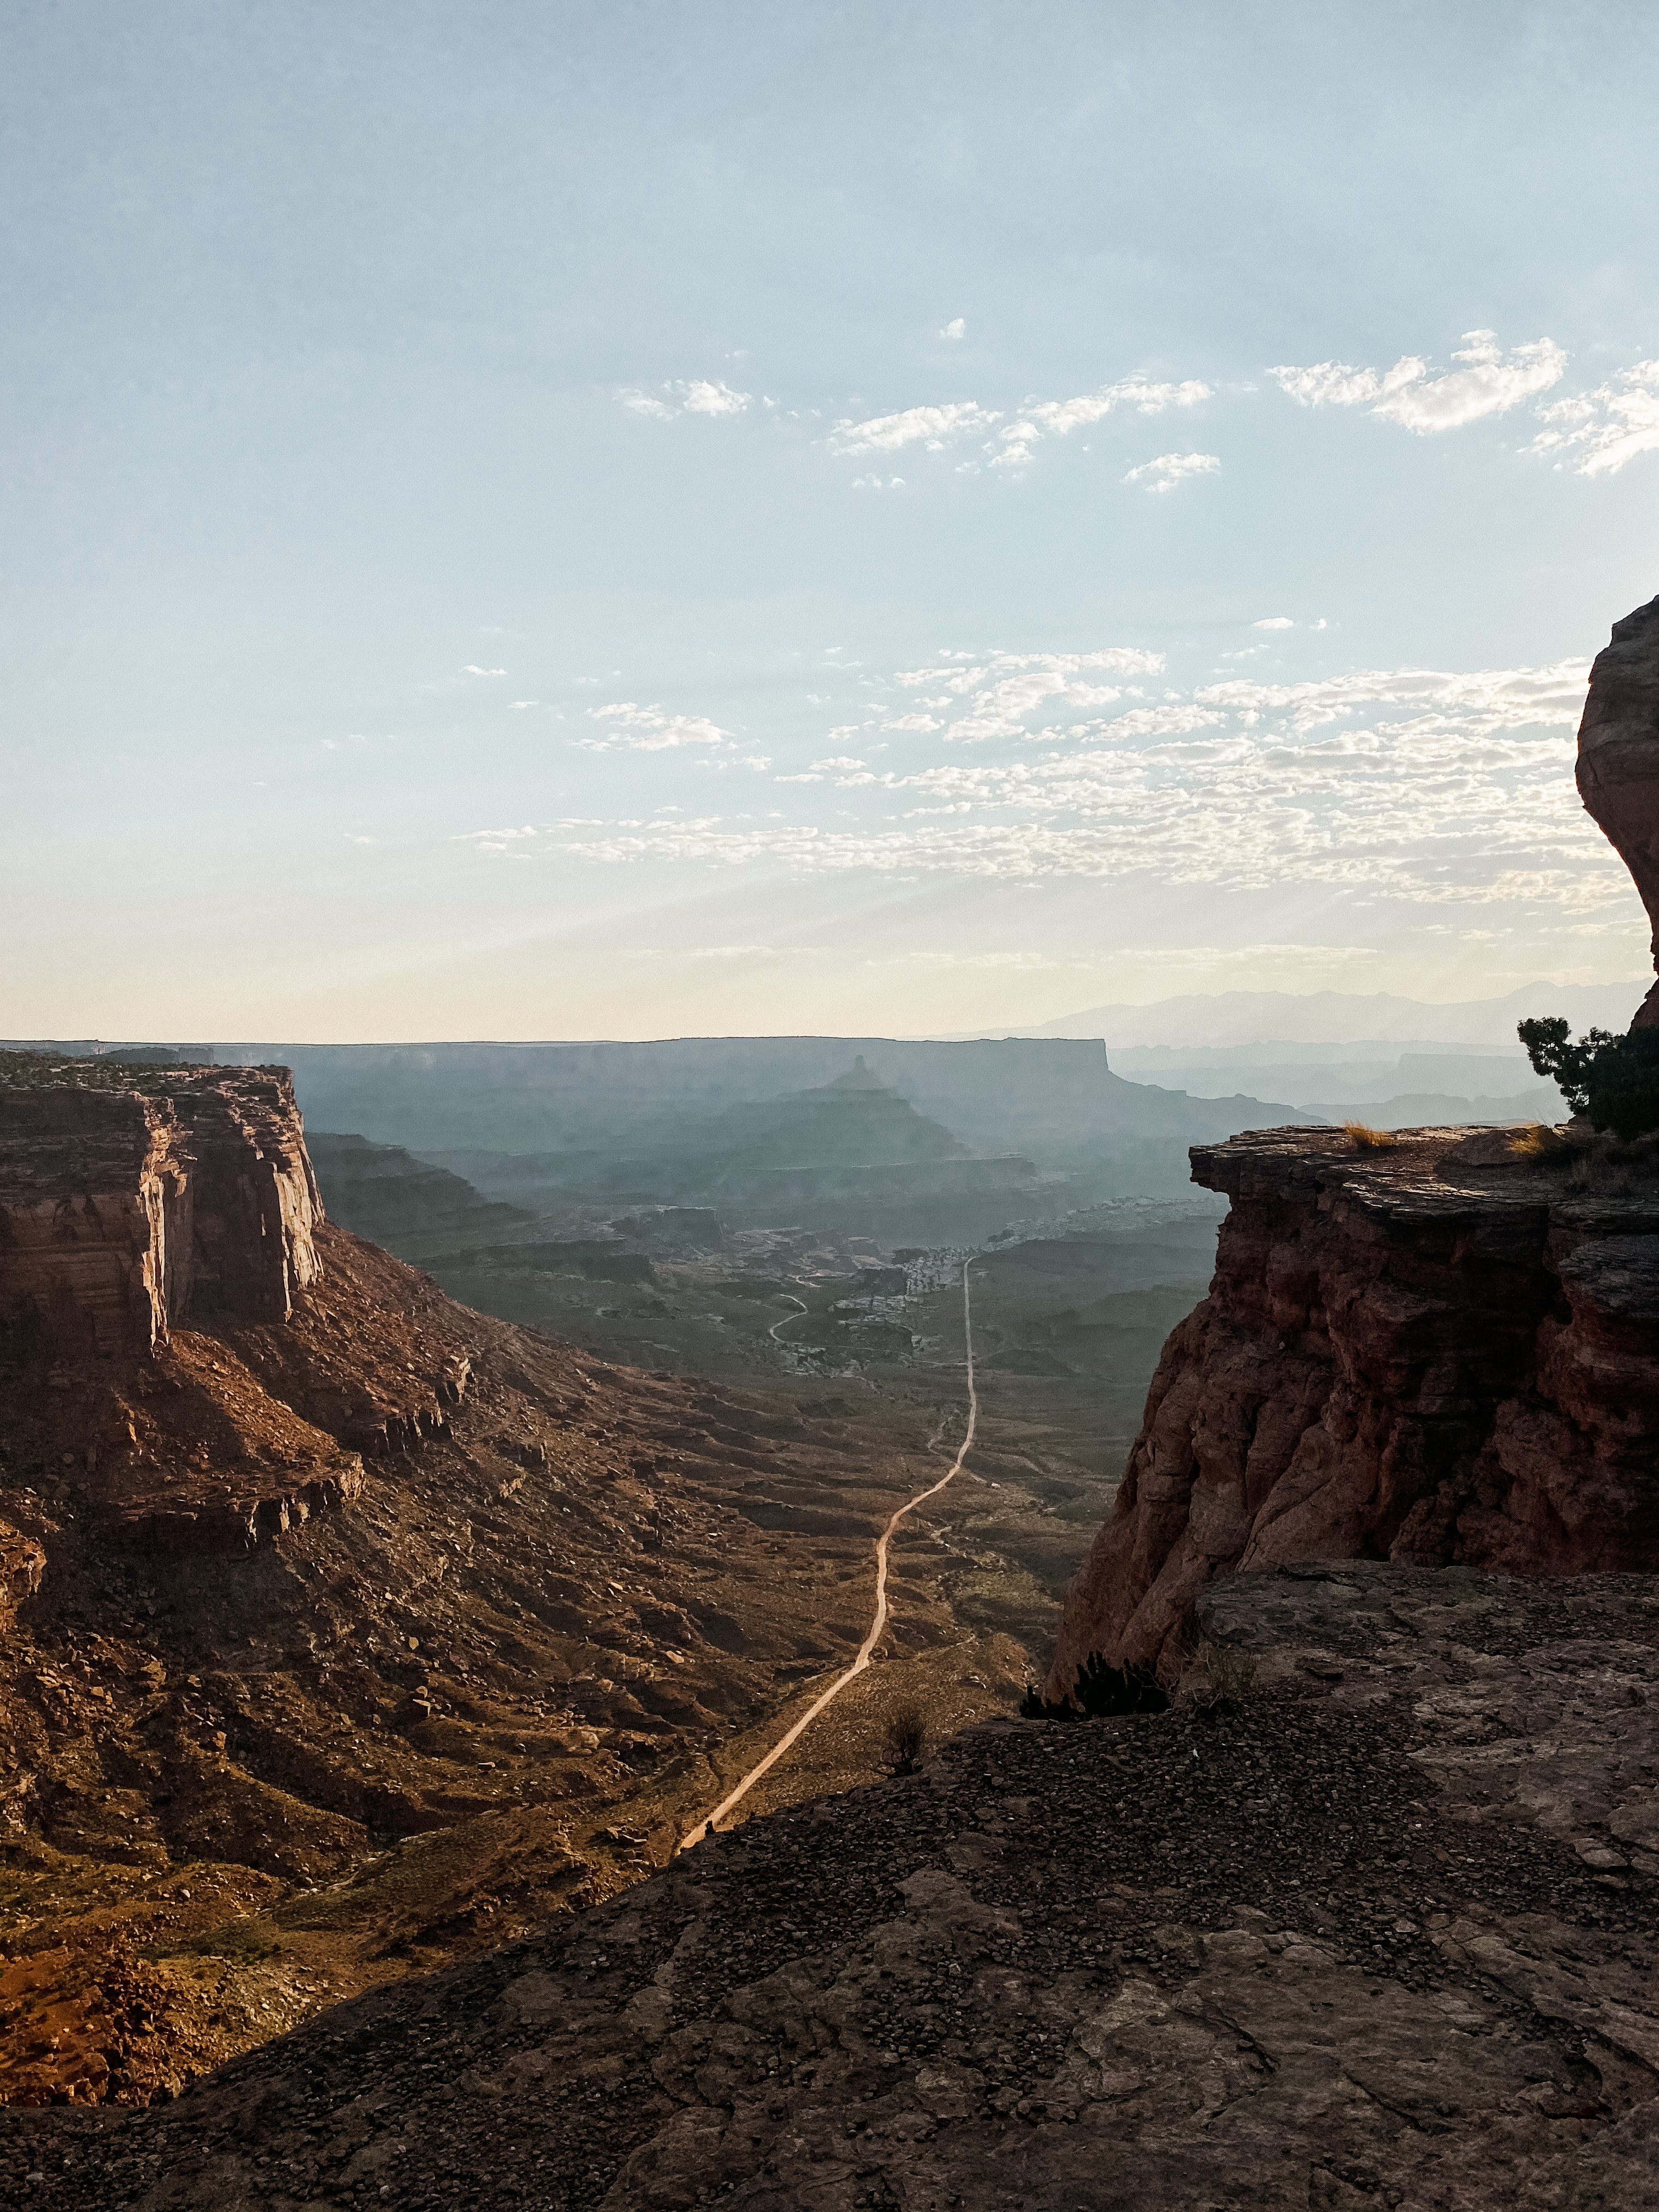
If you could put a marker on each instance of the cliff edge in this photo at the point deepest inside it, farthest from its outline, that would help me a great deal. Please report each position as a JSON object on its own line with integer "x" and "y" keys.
{"x": 1618, "y": 762}
{"x": 1441, "y": 1352}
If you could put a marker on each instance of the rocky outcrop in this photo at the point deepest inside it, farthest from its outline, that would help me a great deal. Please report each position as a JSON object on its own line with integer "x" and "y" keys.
{"x": 22, "y": 1567}
{"x": 1435, "y": 1352}
{"x": 1380, "y": 1935}
{"x": 126, "y": 1211}
{"x": 159, "y": 1231}
{"x": 1618, "y": 762}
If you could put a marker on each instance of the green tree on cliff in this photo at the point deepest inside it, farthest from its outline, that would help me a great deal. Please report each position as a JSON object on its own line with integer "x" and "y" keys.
{"x": 1614, "y": 1080}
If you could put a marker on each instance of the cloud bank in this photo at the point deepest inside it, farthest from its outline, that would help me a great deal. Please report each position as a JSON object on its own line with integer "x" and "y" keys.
{"x": 1490, "y": 383}
{"x": 650, "y": 730}
{"x": 1171, "y": 469}
{"x": 693, "y": 396}
{"x": 1602, "y": 429}
{"x": 935, "y": 427}
{"x": 1442, "y": 787}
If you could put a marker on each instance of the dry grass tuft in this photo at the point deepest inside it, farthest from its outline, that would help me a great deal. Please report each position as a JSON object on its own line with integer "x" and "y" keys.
{"x": 1540, "y": 1142}
{"x": 1368, "y": 1139}
{"x": 1219, "y": 1680}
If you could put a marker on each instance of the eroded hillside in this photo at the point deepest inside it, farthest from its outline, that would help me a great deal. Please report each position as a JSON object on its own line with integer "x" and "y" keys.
{"x": 345, "y": 1639}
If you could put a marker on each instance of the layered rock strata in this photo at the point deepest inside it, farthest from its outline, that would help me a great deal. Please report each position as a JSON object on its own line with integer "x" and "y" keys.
{"x": 161, "y": 1348}
{"x": 1618, "y": 762}
{"x": 1436, "y": 1353}
{"x": 123, "y": 1213}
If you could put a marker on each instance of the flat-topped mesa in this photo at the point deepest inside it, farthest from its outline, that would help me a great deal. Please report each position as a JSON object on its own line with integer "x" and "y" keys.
{"x": 1441, "y": 1352}
{"x": 1619, "y": 762}
{"x": 134, "y": 1203}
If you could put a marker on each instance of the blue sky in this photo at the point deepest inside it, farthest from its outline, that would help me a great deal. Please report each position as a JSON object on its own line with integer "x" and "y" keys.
{"x": 616, "y": 520}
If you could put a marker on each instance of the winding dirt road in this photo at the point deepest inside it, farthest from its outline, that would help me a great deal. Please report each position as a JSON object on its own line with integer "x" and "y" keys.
{"x": 879, "y": 1623}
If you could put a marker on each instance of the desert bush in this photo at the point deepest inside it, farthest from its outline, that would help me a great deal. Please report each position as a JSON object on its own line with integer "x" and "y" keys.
{"x": 1100, "y": 1692}
{"x": 907, "y": 1733}
{"x": 1540, "y": 1142}
{"x": 1219, "y": 1680}
{"x": 1613, "y": 1081}
{"x": 1369, "y": 1139}
{"x": 244, "y": 1942}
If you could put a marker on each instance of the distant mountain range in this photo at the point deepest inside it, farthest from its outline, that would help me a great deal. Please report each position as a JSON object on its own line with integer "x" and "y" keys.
{"x": 1207, "y": 1019}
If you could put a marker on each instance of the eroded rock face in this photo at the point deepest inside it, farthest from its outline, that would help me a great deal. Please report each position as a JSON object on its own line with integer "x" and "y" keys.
{"x": 125, "y": 1213}
{"x": 1406, "y": 1355}
{"x": 1618, "y": 762}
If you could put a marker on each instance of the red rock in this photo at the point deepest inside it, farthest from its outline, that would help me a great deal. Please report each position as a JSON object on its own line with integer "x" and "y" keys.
{"x": 123, "y": 1213}
{"x": 1618, "y": 762}
{"x": 1403, "y": 1355}
{"x": 22, "y": 1569}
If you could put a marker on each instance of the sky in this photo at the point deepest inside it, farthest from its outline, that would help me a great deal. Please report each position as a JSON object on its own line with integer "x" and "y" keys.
{"x": 622, "y": 521}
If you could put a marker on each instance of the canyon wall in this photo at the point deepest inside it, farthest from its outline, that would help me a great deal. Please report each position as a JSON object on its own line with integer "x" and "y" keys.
{"x": 127, "y": 1210}
{"x": 1438, "y": 1352}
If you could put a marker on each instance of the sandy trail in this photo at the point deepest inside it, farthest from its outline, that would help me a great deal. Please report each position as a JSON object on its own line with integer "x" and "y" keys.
{"x": 879, "y": 1623}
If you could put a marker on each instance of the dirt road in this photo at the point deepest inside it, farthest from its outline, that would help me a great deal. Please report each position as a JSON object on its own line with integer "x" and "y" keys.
{"x": 878, "y": 1624}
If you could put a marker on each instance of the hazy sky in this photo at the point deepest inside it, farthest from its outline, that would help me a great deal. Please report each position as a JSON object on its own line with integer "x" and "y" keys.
{"x": 570, "y": 521}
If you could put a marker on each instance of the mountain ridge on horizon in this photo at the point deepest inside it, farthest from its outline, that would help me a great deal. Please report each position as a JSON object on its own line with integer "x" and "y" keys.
{"x": 1171, "y": 1021}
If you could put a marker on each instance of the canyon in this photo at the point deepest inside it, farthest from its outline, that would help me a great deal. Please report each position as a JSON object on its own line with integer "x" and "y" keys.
{"x": 345, "y": 1630}
{"x": 292, "y": 1539}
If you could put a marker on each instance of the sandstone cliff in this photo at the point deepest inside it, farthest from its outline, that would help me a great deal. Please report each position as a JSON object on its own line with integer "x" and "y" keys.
{"x": 1618, "y": 762}
{"x": 1435, "y": 1352}
{"x": 160, "y": 1229}
{"x": 130, "y": 1202}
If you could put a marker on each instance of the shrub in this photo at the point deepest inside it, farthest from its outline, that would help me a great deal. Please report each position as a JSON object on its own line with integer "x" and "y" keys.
{"x": 1100, "y": 1692}
{"x": 907, "y": 1733}
{"x": 1614, "y": 1080}
{"x": 1220, "y": 1680}
{"x": 1539, "y": 1142}
{"x": 1369, "y": 1139}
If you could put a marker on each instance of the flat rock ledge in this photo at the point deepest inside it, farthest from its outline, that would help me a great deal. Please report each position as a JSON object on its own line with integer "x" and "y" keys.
{"x": 1381, "y": 1934}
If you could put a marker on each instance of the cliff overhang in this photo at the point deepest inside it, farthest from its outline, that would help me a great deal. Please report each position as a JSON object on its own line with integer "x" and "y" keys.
{"x": 1444, "y": 1351}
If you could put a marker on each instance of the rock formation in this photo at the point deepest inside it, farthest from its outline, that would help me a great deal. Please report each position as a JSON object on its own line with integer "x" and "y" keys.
{"x": 124, "y": 1210}
{"x": 1438, "y": 1352}
{"x": 160, "y": 1229}
{"x": 1618, "y": 762}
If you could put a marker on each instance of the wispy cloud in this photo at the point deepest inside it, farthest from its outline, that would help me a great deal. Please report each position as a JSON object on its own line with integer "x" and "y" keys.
{"x": 693, "y": 396}
{"x": 1273, "y": 622}
{"x": 995, "y": 696}
{"x": 1171, "y": 469}
{"x": 651, "y": 729}
{"x": 1057, "y": 418}
{"x": 1603, "y": 428}
{"x": 933, "y": 428}
{"x": 1442, "y": 787}
{"x": 470, "y": 670}
{"x": 956, "y": 328}
{"x": 1490, "y": 382}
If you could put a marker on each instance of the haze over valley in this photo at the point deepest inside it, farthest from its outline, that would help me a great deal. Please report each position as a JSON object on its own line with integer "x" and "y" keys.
{"x": 830, "y": 1136}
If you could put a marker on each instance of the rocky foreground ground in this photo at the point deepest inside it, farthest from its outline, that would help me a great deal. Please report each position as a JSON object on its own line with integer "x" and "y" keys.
{"x": 1381, "y": 1933}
